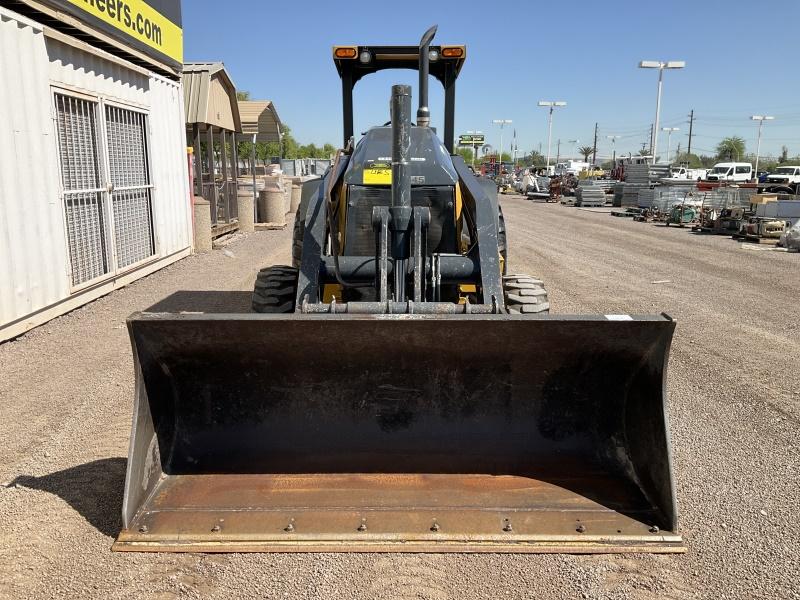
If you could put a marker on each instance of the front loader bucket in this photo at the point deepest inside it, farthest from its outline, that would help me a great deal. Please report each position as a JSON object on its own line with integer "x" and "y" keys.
{"x": 410, "y": 433}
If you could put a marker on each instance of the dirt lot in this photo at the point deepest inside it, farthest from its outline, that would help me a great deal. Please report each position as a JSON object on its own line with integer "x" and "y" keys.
{"x": 734, "y": 399}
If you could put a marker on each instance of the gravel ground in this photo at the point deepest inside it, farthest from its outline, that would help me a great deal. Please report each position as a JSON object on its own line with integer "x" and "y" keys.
{"x": 67, "y": 388}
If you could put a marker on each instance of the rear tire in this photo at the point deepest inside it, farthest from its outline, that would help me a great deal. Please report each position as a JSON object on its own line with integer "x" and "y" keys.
{"x": 525, "y": 295}
{"x": 275, "y": 290}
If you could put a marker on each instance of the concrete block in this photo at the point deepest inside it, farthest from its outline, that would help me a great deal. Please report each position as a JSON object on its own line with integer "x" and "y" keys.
{"x": 245, "y": 201}
{"x": 202, "y": 225}
{"x": 272, "y": 205}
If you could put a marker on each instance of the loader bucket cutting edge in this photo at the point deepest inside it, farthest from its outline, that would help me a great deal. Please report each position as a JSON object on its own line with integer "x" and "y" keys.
{"x": 407, "y": 433}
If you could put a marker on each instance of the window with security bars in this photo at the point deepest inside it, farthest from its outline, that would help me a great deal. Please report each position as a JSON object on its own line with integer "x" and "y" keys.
{"x": 84, "y": 194}
{"x": 126, "y": 135}
{"x": 109, "y": 217}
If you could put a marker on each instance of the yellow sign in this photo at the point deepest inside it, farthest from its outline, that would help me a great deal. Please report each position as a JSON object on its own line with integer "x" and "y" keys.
{"x": 378, "y": 175}
{"x": 140, "y": 21}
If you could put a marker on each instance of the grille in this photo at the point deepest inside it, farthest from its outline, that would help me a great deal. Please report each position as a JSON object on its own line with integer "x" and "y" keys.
{"x": 131, "y": 199}
{"x": 89, "y": 205}
{"x": 360, "y": 240}
{"x": 84, "y": 200}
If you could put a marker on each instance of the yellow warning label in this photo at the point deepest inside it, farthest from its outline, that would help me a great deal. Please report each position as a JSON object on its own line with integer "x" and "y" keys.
{"x": 378, "y": 176}
{"x": 140, "y": 21}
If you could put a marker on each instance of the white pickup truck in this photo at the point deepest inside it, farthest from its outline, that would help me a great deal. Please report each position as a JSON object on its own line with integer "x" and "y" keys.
{"x": 785, "y": 179}
{"x": 686, "y": 173}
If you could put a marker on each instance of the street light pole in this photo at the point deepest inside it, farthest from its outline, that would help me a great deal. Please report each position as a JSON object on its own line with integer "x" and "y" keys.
{"x": 551, "y": 105}
{"x": 613, "y": 139}
{"x": 669, "y": 131}
{"x": 502, "y": 123}
{"x": 760, "y": 119}
{"x": 574, "y": 145}
{"x": 654, "y": 64}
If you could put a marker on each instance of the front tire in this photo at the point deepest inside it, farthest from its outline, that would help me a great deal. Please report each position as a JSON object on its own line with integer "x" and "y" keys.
{"x": 525, "y": 295}
{"x": 275, "y": 290}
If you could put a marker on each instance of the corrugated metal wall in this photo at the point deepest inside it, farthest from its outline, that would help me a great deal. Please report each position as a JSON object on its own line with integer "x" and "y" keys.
{"x": 34, "y": 261}
{"x": 169, "y": 166}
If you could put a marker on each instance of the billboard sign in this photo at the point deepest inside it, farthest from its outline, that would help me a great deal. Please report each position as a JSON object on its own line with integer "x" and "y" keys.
{"x": 153, "y": 27}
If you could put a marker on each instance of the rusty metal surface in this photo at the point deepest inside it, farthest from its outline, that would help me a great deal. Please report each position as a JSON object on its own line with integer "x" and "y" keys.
{"x": 244, "y": 422}
{"x": 392, "y": 513}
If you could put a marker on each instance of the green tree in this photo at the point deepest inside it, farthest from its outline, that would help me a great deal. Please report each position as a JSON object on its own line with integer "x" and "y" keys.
{"x": 692, "y": 160}
{"x": 534, "y": 159}
{"x": 466, "y": 154}
{"x": 585, "y": 151}
{"x": 328, "y": 150}
{"x": 731, "y": 148}
{"x": 245, "y": 150}
{"x": 242, "y": 95}
{"x": 290, "y": 145}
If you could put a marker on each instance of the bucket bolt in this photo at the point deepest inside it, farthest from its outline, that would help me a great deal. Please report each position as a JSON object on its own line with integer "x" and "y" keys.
{"x": 363, "y": 526}
{"x": 507, "y": 526}
{"x": 143, "y": 529}
{"x": 216, "y": 528}
{"x": 290, "y": 527}
{"x": 581, "y": 528}
{"x": 435, "y": 526}
{"x": 654, "y": 529}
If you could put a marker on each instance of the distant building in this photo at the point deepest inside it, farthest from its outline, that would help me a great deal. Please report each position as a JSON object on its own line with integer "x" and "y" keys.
{"x": 94, "y": 189}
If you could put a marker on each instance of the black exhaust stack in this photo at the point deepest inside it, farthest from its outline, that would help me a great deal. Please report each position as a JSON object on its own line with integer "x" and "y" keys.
{"x": 400, "y": 212}
{"x": 423, "y": 112}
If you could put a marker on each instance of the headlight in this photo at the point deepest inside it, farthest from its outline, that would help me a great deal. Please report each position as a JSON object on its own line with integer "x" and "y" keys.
{"x": 433, "y": 55}
{"x": 365, "y": 56}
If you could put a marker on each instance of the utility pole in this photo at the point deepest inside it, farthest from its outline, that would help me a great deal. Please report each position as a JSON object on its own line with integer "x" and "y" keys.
{"x": 651, "y": 142}
{"x": 613, "y": 139}
{"x": 691, "y": 122}
{"x": 669, "y": 138}
{"x": 558, "y": 152}
{"x": 594, "y": 150}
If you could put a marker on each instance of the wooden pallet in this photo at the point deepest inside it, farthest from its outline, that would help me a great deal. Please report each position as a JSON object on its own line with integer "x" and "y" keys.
{"x": 269, "y": 226}
{"x": 755, "y": 239}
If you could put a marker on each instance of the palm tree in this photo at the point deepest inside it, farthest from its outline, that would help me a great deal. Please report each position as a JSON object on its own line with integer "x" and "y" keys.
{"x": 731, "y": 148}
{"x": 586, "y": 151}
{"x": 243, "y": 95}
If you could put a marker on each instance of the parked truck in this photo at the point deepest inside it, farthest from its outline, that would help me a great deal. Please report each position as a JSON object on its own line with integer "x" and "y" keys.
{"x": 784, "y": 180}
{"x": 684, "y": 172}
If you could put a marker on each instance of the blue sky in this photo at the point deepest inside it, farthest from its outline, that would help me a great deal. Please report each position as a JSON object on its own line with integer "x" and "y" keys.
{"x": 741, "y": 59}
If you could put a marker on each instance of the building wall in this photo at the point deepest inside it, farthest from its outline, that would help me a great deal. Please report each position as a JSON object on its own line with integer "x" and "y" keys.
{"x": 35, "y": 282}
{"x": 219, "y": 105}
{"x": 33, "y": 262}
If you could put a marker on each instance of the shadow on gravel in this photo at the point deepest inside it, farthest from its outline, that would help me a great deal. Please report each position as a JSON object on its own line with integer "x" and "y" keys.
{"x": 205, "y": 301}
{"x": 93, "y": 489}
